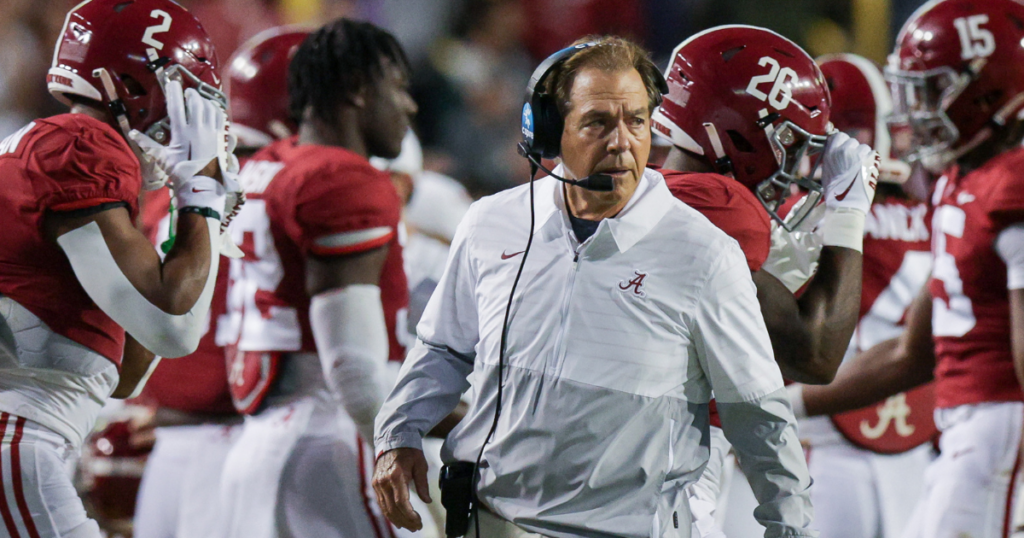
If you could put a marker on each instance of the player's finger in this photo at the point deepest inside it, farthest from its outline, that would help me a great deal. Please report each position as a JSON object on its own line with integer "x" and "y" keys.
{"x": 175, "y": 103}
{"x": 194, "y": 104}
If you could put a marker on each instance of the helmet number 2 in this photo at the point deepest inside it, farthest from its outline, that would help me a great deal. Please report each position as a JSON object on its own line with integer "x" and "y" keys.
{"x": 165, "y": 25}
{"x": 975, "y": 41}
{"x": 781, "y": 79}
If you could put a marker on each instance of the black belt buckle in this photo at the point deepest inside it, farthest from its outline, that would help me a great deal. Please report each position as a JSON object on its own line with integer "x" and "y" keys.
{"x": 457, "y": 497}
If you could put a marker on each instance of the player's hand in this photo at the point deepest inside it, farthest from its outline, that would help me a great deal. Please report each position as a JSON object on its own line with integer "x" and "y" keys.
{"x": 849, "y": 173}
{"x": 198, "y": 127}
{"x": 396, "y": 470}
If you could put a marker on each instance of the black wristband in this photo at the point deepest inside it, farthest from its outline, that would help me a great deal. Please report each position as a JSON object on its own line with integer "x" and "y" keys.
{"x": 204, "y": 211}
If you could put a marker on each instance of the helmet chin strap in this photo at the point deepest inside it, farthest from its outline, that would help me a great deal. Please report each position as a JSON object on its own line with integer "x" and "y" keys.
{"x": 722, "y": 161}
{"x": 153, "y": 176}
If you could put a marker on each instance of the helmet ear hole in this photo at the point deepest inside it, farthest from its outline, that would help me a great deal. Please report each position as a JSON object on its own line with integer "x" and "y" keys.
{"x": 740, "y": 142}
{"x": 135, "y": 89}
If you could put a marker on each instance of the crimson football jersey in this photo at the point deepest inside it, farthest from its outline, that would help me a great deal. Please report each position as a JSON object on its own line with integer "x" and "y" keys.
{"x": 301, "y": 201}
{"x": 896, "y": 264}
{"x": 728, "y": 205}
{"x": 62, "y": 163}
{"x": 970, "y": 302}
{"x": 197, "y": 383}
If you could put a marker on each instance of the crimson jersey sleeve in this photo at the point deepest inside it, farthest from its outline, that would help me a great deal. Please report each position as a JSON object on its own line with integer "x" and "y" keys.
{"x": 728, "y": 205}
{"x": 77, "y": 162}
{"x": 346, "y": 210}
{"x": 1005, "y": 202}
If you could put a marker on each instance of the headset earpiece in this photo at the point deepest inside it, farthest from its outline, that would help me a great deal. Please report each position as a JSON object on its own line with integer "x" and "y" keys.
{"x": 542, "y": 124}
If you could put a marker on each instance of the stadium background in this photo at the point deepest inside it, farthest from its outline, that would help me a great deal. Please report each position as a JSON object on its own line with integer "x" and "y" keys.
{"x": 471, "y": 58}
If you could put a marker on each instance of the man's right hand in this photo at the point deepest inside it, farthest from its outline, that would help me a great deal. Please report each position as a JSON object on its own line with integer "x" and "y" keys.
{"x": 392, "y": 475}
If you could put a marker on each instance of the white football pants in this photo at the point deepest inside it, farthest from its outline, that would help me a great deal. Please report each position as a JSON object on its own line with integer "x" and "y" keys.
{"x": 38, "y": 499}
{"x": 300, "y": 470}
{"x": 969, "y": 488}
{"x": 180, "y": 492}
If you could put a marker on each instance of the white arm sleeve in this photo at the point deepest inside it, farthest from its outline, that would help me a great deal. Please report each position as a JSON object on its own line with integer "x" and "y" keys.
{"x": 164, "y": 334}
{"x": 1010, "y": 247}
{"x": 352, "y": 341}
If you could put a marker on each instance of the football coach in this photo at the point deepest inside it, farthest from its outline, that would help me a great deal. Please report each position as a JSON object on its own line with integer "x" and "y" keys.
{"x": 591, "y": 371}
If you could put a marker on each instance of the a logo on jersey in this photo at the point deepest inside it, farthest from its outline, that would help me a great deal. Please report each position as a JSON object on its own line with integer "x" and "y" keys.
{"x": 894, "y": 411}
{"x": 897, "y": 222}
{"x": 506, "y": 255}
{"x": 635, "y": 284}
{"x": 528, "y": 121}
{"x": 964, "y": 198}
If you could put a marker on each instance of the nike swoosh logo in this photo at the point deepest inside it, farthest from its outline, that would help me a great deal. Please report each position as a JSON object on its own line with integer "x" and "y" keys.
{"x": 506, "y": 256}
{"x": 840, "y": 196}
{"x": 200, "y": 190}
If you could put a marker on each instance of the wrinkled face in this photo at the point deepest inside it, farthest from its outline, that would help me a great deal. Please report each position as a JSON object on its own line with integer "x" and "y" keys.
{"x": 388, "y": 113}
{"x": 608, "y": 128}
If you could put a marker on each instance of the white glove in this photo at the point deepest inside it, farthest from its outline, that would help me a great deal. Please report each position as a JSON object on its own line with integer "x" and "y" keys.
{"x": 197, "y": 130}
{"x": 849, "y": 177}
{"x": 153, "y": 175}
{"x": 793, "y": 257}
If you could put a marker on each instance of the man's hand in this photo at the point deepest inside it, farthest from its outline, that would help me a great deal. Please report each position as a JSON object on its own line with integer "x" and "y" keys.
{"x": 392, "y": 475}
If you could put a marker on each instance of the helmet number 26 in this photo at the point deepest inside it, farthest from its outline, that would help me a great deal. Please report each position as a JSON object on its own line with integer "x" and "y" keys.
{"x": 781, "y": 79}
{"x": 975, "y": 41}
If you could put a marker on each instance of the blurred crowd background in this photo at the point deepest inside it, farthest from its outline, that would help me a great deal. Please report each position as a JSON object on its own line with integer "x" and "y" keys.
{"x": 471, "y": 58}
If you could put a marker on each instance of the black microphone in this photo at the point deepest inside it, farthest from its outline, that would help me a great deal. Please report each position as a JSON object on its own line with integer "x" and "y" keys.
{"x": 593, "y": 182}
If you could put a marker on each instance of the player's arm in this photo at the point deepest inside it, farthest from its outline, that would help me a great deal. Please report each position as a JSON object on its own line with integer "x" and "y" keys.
{"x": 162, "y": 304}
{"x": 886, "y": 369}
{"x": 811, "y": 345}
{"x": 347, "y": 318}
{"x": 810, "y": 335}
{"x": 1010, "y": 247}
{"x": 137, "y": 364}
{"x": 173, "y": 285}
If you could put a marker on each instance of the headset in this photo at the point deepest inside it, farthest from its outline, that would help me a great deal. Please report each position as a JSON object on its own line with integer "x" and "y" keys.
{"x": 542, "y": 127}
{"x": 542, "y": 124}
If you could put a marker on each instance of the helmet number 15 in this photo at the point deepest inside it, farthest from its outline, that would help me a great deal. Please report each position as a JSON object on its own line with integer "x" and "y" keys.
{"x": 975, "y": 41}
{"x": 780, "y": 94}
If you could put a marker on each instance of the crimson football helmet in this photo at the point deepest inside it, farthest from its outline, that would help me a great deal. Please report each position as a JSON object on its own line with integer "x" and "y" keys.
{"x": 121, "y": 52}
{"x": 257, "y": 86}
{"x": 956, "y": 73}
{"x": 754, "y": 104}
{"x": 110, "y": 473}
{"x": 860, "y": 106}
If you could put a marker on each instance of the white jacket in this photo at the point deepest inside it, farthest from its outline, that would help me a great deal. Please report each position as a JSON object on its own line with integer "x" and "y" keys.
{"x": 614, "y": 349}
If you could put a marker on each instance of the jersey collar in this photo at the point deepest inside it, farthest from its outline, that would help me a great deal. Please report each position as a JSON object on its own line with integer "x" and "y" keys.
{"x": 650, "y": 202}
